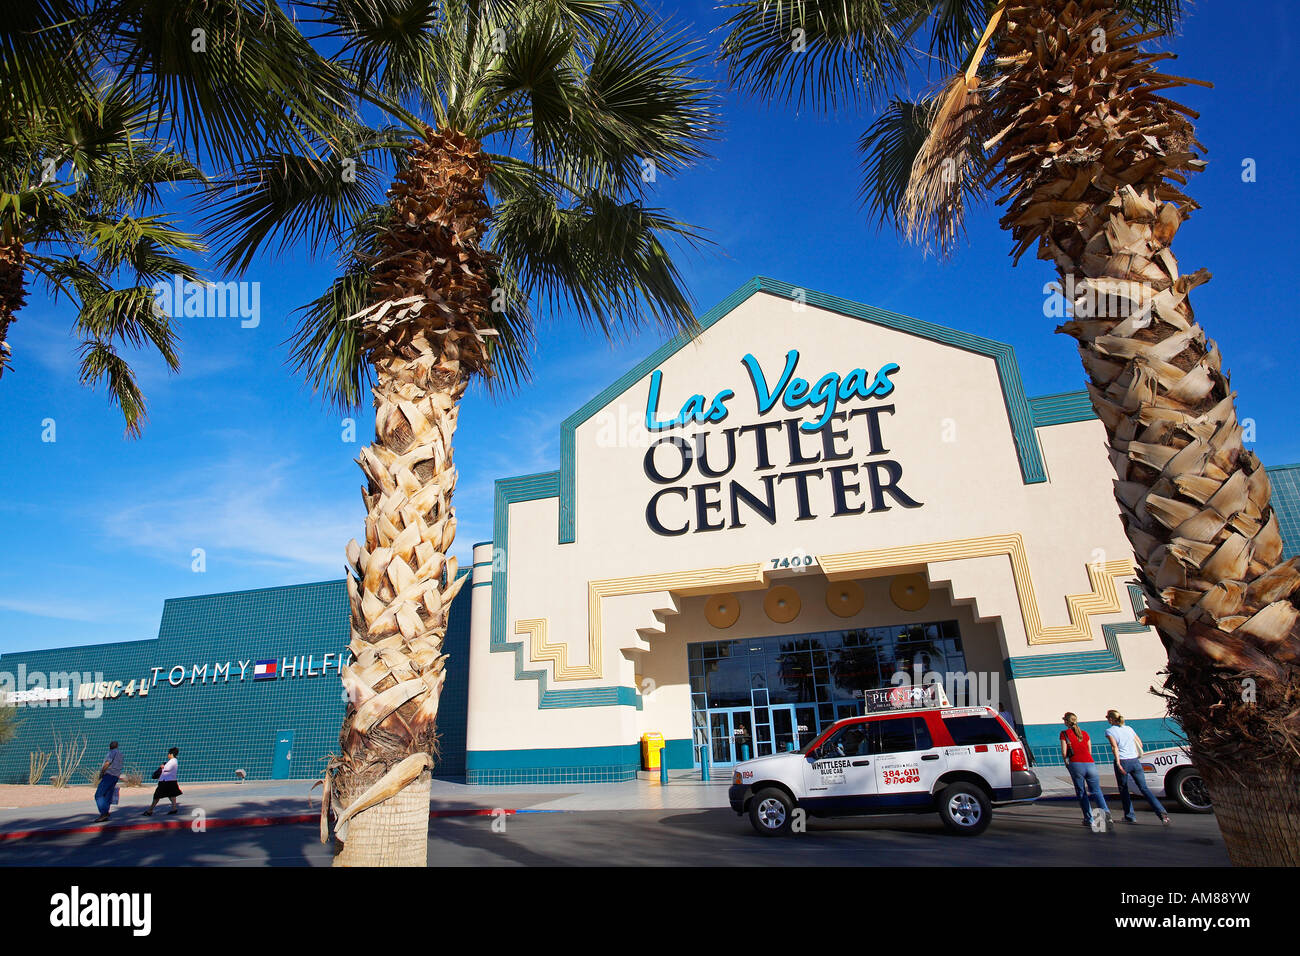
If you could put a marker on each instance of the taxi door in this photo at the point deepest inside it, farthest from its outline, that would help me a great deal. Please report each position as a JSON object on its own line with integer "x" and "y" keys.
{"x": 840, "y": 774}
{"x": 907, "y": 764}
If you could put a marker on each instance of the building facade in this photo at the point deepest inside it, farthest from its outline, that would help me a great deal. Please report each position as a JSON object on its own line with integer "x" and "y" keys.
{"x": 809, "y": 499}
{"x": 247, "y": 680}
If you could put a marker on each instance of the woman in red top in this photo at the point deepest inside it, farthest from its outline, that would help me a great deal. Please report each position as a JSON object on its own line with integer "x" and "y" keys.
{"x": 1076, "y": 750}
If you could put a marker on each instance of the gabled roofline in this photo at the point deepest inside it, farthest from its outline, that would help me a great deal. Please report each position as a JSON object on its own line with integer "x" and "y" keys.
{"x": 1019, "y": 414}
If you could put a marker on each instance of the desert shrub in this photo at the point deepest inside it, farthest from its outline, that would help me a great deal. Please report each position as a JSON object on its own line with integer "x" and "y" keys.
{"x": 67, "y": 758}
{"x": 38, "y": 760}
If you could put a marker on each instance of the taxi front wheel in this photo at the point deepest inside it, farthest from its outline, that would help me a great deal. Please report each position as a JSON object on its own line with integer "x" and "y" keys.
{"x": 771, "y": 812}
{"x": 965, "y": 809}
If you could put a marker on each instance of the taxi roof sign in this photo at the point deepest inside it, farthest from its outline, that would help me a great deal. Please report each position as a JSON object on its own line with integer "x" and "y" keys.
{"x": 906, "y": 697}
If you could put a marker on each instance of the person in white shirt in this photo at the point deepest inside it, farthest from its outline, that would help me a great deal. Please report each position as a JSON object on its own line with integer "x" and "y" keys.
{"x": 167, "y": 785}
{"x": 1126, "y": 745}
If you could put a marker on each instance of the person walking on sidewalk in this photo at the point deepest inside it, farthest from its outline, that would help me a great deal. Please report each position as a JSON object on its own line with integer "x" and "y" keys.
{"x": 167, "y": 785}
{"x": 1076, "y": 748}
{"x": 1127, "y": 747}
{"x": 109, "y": 772}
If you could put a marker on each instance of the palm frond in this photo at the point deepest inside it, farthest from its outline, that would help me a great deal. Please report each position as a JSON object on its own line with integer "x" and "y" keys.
{"x": 326, "y": 347}
{"x": 230, "y": 76}
{"x": 924, "y": 164}
{"x": 642, "y": 102}
{"x": 144, "y": 244}
{"x": 819, "y": 52}
{"x": 285, "y": 197}
{"x": 44, "y": 58}
{"x": 100, "y": 362}
{"x": 129, "y": 316}
{"x": 603, "y": 259}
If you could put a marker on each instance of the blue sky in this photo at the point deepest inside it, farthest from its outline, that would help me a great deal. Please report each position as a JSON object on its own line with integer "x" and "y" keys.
{"x": 239, "y": 459}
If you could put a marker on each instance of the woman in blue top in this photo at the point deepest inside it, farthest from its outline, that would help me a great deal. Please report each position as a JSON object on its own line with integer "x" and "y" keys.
{"x": 1127, "y": 747}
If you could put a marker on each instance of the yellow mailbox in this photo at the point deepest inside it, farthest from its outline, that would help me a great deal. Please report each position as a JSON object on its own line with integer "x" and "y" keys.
{"x": 652, "y": 746}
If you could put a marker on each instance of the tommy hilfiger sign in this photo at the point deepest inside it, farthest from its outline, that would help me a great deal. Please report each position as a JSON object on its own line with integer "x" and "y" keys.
{"x": 221, "y": 673}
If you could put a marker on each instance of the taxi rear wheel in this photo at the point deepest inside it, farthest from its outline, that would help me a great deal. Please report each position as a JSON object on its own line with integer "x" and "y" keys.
{"x": 1188, "y": 788}
{"x": 965, "y": 809}
{"x": 771, "y": 812}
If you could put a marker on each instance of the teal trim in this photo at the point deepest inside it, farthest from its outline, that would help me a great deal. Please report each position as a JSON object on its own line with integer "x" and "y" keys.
{"x": 481, "y": 584}
{"x": 559, "y": 765}
{"x": 1083, "y": 662}
{"x": 511, "y": 491}
{"x": 1061, "y": 409}
{"x": 1044, "y": 740}
{"x": 552, "y": 757}
{"x": 1003, "y": 355}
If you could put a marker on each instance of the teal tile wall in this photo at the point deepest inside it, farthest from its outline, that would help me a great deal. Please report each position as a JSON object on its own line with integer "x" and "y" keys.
{"x": 223, "y": 723}
{"x": 1285, "y": 480}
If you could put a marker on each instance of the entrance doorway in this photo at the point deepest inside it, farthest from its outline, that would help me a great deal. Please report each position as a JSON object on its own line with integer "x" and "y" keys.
{"x": 761, "y": 695}
{"x": 740, "y": 733}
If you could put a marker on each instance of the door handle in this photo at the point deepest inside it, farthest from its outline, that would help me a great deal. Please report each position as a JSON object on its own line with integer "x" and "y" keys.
{"x": 861, "y": 763}
{"x": 930, "y": 757}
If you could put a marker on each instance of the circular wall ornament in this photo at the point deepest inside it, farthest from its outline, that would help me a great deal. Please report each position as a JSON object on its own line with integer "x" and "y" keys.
{"x": 782, "y": 604}
{"x": 845, "y": 598}
{"x": 909, "y": 592}
{"x": 722, "y": 610}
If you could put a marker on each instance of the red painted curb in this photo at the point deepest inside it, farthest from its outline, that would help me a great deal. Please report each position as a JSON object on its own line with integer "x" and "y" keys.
{"x": 218, "y": 822}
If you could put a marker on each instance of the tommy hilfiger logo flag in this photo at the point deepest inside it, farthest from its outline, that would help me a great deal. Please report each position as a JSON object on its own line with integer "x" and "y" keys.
{"x": 264, "y": 670}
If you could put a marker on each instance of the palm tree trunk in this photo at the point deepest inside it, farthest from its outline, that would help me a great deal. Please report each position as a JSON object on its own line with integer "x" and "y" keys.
{"x": 1092, "y": 157}
{"x": 424, "y": 337}
{"x": 13, "y": 263}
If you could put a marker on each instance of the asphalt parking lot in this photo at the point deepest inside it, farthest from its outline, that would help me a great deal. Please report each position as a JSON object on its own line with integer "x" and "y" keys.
{"x": 1043, "y": 834}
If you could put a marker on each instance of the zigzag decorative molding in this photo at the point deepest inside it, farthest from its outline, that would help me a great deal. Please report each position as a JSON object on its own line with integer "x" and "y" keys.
{"x": 1103, "y": 599}
{"x": 557, "y": 654}
{"x": 1084, "y": 662}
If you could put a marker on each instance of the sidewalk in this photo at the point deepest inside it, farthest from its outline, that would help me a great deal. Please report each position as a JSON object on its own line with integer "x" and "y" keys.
{"x": 293, "y": 801}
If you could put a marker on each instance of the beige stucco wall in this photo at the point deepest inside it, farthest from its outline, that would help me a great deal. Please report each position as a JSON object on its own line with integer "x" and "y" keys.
{"x": 951, "y": 435}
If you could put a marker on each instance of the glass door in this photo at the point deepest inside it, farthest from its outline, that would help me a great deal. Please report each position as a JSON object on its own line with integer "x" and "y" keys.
{"x": 785, "y": 736}
{"x": 721, "y": 747}
{"x": 805, "y": 725}
{"x": 730, "y": 735}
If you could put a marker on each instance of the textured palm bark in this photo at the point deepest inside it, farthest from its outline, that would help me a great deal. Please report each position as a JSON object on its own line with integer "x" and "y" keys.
{"x": 1093, "y": 158}
{"x": 425, "y": 337}
{"x": 13, "y": 292}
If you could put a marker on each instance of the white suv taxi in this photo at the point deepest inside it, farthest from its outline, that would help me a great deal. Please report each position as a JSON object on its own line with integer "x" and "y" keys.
{"x": 899, "y": 758}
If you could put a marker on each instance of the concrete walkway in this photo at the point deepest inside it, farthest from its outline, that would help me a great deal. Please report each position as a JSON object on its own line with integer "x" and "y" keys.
{"x": 288, "y": 801}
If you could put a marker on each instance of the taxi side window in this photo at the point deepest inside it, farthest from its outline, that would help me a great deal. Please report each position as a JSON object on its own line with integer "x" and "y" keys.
{"x": 967, "y": 731}
{"x": 902, "y": 734}
{"x": 851, "y": 741}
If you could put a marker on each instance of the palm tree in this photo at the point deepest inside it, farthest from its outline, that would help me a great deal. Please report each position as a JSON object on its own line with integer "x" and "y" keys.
{"x": 529, "y": 132}
{"x": 94, "y": 97}
{"x": 1059, "y": 105}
